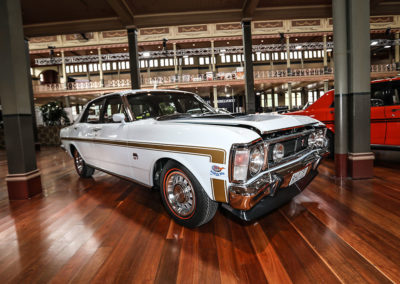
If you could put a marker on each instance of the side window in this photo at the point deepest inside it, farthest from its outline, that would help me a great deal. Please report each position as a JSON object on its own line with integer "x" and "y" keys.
{"x": 113, "y": 105}
{"x": 395, "y": 93}
{"x": 380, "y": 94}
{"x": 93, "y": 112}
{"x": 142, "y": 106}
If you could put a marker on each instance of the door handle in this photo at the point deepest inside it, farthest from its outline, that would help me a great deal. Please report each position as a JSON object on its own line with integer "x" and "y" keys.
{"x": 96, "y": 129}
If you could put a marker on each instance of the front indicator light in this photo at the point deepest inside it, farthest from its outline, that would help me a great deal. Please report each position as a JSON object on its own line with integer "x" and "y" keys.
{"x": 240, "y": 164}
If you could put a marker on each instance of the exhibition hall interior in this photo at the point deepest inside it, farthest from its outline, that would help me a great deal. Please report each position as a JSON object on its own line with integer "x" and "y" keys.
{"x": 224, "y": 141}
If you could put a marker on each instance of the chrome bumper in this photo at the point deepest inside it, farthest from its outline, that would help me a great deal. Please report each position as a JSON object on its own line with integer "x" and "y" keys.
{"x": 267, "y": 182}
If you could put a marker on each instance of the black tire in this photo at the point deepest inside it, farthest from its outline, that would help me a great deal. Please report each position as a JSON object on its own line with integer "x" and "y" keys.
{"x": 331, "y": 143}
{"x": 191, "y": 208}
{"x": 81, "y": 167}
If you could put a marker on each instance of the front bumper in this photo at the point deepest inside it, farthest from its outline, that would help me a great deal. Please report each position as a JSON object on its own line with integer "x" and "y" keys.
{"x": 271, "y": 182}
{"x": 270, "y": 203}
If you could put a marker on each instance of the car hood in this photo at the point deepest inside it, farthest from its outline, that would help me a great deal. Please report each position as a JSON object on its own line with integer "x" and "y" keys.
{"x": 262, "y": 122}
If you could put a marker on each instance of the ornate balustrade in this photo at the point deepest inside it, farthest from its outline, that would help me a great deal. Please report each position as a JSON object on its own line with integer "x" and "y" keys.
{"x": 198, "y": 78}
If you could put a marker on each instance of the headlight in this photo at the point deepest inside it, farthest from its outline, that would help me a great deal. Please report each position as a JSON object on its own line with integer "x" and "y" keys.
{"x": 278, "y": 152}
{"x": 317, "y": 139}
{"x": 256, "y": 160}
{"x": 311, "y": 140}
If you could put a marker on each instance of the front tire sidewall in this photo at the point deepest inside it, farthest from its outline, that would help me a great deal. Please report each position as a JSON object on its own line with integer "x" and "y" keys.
{"x": 204, "y": 207}
{"x": 86, "y": 171}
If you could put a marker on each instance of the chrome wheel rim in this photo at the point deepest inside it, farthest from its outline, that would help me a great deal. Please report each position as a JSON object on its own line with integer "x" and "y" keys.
{"x": 78, "y": 162}
{"x": 180, "y": 194}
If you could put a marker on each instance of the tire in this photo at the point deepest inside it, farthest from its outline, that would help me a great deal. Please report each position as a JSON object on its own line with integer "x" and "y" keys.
{"x": 81, "y": 167}
{"x": 192, "y": 208}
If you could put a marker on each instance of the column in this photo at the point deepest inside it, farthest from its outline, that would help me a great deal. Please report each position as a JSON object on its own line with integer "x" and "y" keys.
{"x": 87, "y": 72}
{"x": 101, "y": 68}
{"x": 273, "y": 99}
{"x": 134, "y": 58}
{"x": 248, "y": 67}
{"x": 215, "y": 96}
{"x": 289, "y": 71}
{"x": 23, "y": 179}
{"x": 213, "y": 61}
{"x": 326, "y": 86}
{"x": 64, "y": 70}
{"x": 360, "y": 156}
{"x": 289, "y": 90}
{"x": 397, "y": 51}
{"x": 67, "y": 102}
{"x": 175, "y": 61}
{"x": 353, "y": 156}
{"x": 325, "y": 55}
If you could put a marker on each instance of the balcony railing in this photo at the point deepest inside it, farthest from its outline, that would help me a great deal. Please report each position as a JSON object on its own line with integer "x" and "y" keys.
{"x": 186, "y": 78}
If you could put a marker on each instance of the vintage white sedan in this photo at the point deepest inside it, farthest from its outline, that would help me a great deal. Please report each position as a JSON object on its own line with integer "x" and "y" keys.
{"x": 196, "y": 156}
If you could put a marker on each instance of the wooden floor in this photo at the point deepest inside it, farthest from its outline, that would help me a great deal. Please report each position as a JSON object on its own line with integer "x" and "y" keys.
{"x": 108, "y": 230}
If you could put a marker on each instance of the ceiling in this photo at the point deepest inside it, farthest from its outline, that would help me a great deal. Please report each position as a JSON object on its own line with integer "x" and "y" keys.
{"x": 49, "y": 17}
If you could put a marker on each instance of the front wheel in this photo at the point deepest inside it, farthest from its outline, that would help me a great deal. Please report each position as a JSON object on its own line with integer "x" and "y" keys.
{"x": 184, "y": 198}
{"x": 81, "y": 167}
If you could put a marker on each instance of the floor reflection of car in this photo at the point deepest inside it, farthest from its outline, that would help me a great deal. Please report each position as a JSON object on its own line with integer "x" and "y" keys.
{"x": 385, "y": 113}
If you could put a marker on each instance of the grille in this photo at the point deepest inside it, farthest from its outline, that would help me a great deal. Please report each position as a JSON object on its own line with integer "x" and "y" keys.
{"x": 292, "y": 146}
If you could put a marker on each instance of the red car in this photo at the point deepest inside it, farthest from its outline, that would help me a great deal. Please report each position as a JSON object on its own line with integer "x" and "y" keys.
{"x": 385, "y": 113}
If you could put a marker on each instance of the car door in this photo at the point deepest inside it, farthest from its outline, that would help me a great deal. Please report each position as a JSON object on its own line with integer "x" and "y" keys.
{"x": 110, "y": 140}
{"x": 87, "y": 129}
{"x": 392, "y": 112}
{"x": 378, "y": 119}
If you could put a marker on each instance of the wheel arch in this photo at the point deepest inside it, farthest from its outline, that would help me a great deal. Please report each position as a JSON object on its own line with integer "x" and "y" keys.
{"x": 159, "y": 164}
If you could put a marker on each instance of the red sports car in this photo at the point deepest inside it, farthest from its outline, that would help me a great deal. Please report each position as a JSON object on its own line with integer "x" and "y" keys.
{"x": 385, "y": 113}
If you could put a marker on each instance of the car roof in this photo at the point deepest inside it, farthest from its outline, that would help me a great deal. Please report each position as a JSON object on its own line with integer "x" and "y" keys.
{"x": 140, "y": 91}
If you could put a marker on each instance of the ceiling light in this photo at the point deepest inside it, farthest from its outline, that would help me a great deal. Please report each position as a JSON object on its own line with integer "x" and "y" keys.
{"x": 296, "y": 39}
{"x": 298, "y": 47}
{"x": 194, "y": 44}
{"x": 146, "y": 54}
{"x": 387, "y": 46}
{"x": 124, "y": 49}
{"x": 374, "y": 43}
{"x": 262, "y": 40}
{"x": 91, "y": 51}
{"x": 227, "y": 42}
{"x": 329, "y": 50}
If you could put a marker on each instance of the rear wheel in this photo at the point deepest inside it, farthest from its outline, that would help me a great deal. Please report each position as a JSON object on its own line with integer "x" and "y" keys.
{"x": 81, "y": 167}
{"x": 184, "y": 198}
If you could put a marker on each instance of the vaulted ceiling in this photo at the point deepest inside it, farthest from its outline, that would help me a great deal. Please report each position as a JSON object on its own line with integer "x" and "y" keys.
{"x": 49, "y": 17}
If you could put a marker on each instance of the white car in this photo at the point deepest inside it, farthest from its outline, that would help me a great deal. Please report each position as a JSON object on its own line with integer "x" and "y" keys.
{"x": 196, "y": 156}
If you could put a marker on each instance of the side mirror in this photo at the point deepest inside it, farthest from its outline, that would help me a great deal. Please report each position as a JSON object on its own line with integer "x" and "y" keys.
{"x": 118, "y": 117}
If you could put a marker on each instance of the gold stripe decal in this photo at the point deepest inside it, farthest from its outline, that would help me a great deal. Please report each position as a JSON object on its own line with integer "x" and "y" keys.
{"x": 219, "y": 190}
{"x": 216, "y": 155}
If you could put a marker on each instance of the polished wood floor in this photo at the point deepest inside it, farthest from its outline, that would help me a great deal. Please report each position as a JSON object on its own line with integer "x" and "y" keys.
{"x": 106, "y": 230}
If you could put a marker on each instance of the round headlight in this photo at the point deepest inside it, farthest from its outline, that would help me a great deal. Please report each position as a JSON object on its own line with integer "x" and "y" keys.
{"x": 256, "y": 160}
{"x": 278, "y": 152}
{"x": 311, "y": 140}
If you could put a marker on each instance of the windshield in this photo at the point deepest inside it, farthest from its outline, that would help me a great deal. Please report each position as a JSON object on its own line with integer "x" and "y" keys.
{"x": 167, "y": 104}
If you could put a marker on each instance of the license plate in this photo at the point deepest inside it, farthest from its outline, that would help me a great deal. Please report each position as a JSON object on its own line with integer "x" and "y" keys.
{"x": 298, "y": 175}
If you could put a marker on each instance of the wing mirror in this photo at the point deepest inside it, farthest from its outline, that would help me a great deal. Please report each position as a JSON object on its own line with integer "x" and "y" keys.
{"x": 118, "y": 117}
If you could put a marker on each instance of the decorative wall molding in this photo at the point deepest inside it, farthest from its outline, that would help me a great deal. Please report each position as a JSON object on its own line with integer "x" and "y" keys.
{"x": 79, "y": 37}
{"x": 201, "y": 33}
{"x": 192, "y": 29}
{"x": 154, "y": 31}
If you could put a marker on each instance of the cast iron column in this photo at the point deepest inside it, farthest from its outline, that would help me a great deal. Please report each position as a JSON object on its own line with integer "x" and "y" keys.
{"x": 215, "y": 97}
{"x": 101, "y": 67}
{"x": 325, "y": 55}
{"x": 397, "y": 51}
{"x": 289, "y": 90}
{"x": 175, "y": 61}
{"x": 289, "y": 71}
{"x": 64, "y": 70}
{"x": 248, "y": 67}
{"x": 360, "y": 156}
{"x": 134, "y": 58}
{"x": 23, "y": 179}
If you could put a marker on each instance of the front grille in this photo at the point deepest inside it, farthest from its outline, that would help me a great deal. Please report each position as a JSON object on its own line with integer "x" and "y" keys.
{"x": 295, "y": 142}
